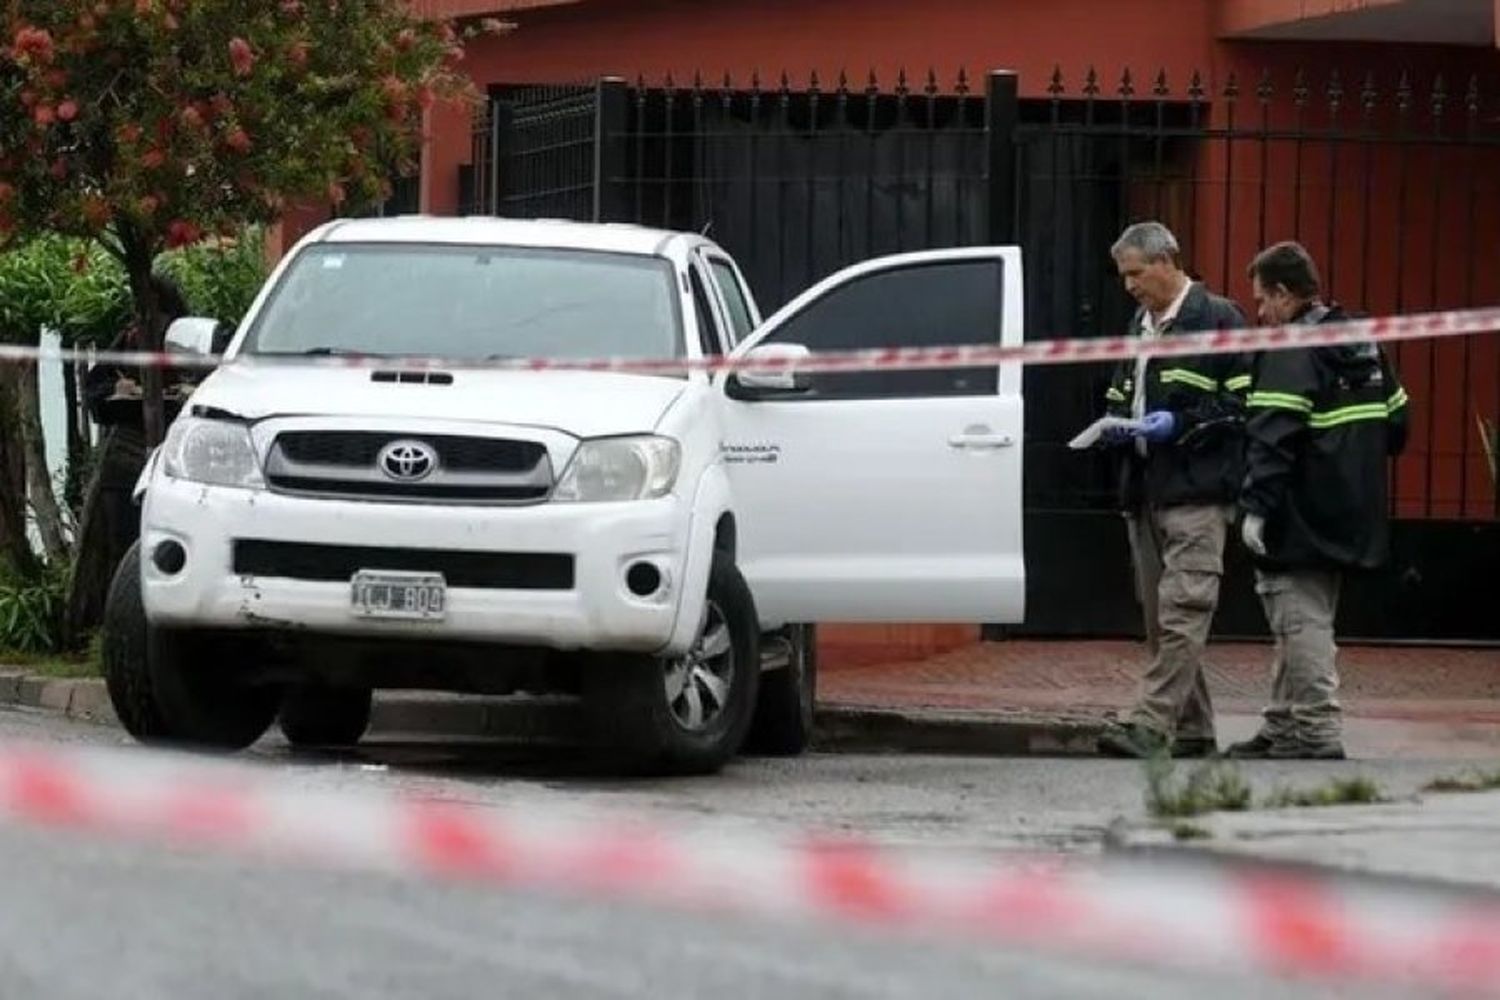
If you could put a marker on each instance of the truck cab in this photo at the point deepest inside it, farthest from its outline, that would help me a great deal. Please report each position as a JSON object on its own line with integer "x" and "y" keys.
{"x": 376, "y": 489}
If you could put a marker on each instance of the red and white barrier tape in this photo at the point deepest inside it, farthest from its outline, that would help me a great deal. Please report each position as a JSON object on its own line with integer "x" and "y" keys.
{"x": 1458, "y": 323}
{"x": 1262, "y": 921}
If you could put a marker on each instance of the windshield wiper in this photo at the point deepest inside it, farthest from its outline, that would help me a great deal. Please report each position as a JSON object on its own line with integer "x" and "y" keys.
{"x": 342, "y": 352}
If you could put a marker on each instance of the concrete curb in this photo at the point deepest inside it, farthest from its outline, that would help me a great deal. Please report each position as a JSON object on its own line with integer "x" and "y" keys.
{"x": 993, "y": 734}
{"x": 839, "y": 728}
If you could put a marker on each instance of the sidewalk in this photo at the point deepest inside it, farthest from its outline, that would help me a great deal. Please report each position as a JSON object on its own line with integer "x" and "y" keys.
{"x": 1403, "y": 701}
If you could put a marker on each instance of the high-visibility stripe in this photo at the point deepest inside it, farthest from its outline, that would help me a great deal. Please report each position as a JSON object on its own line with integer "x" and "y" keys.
{"x": 1237, "y": 383}
{"x": 1280, "y": 401}
{"x": 1397, "y": 400}
{"x": 1348, "y": 415}
{"x": 1114, "y": 395}
{"x": 1184, "y": 376}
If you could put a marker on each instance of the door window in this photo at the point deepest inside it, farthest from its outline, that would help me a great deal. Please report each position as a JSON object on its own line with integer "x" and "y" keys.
{"x": 917, "y": 305}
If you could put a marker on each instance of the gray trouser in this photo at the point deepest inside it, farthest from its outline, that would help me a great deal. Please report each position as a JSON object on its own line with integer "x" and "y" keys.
{"x": 1300, "y": 608}
{"x": 1178, "y": 554}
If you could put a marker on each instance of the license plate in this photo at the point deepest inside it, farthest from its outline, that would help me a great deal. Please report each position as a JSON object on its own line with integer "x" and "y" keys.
{"x": 405, "y": 596}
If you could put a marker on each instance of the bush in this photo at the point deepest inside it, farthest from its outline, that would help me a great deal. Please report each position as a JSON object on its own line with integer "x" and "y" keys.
{"x": 31, "y": 612}
{"x": 219, "y": 278}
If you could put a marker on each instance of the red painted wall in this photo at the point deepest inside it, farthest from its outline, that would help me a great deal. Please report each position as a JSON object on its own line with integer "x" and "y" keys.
{"x": 1393, "y": 230}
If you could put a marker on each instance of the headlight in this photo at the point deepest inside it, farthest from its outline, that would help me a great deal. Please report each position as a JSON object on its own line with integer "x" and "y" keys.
{"x": 213, "y": 452}
{"x": 630, "y": 468}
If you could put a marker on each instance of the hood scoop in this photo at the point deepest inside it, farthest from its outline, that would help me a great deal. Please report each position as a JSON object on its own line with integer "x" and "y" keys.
{"x": 413, "y": 377}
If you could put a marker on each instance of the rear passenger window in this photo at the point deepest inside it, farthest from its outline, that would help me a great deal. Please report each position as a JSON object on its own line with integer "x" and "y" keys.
{"x": 734, "y": 298}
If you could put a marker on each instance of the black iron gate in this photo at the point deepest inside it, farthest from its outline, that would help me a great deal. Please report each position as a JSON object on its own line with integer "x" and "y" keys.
{"x": 797, "y": 182}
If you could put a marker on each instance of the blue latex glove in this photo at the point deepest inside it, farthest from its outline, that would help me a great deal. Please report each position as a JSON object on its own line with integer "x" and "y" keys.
{"x": 1160, "y": 426}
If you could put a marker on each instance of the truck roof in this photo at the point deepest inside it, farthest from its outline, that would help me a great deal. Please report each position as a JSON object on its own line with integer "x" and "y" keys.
{"x": 490, "y": 231}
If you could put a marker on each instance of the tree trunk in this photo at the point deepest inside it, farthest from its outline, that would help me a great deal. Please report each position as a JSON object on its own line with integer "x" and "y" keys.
{"x": 93, "y": 567}
{"x": 78, "y": 444}
{"x": 14, "y": 545}
{"x": 138, "y": 267}
{"x": 49, "y": 522}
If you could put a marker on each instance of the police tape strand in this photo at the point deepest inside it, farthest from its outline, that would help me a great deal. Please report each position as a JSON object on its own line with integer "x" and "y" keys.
{"x": 1387, "y": 329}
{"x": 1255, "y": 920}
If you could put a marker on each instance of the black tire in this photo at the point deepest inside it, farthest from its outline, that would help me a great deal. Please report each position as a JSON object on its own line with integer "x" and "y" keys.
{"x": 315, "y": 716}
{"x": 630, "y": 701}
{"x": 783, "y": 722}
{"x": 122, "y": 645}
{"x": 174, "y": 688}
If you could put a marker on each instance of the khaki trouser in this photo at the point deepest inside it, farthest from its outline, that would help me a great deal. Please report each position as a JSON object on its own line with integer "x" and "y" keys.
{"x": 1300, "y": 607}
{"x": 1178, "y": 554}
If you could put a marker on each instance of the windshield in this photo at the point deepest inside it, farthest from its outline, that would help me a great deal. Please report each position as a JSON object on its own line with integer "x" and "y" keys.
{"x": 469, "y": 303}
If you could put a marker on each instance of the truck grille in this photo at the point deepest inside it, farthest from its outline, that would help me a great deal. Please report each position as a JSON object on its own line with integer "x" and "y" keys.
{"x": 347, "y": 464}
{"x": 461, "y": 568}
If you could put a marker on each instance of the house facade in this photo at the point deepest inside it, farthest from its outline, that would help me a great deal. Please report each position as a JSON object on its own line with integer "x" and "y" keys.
{"x": 808, "y": 134}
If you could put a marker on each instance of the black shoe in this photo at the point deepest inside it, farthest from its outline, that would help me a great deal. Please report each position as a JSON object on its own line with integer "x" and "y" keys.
{"x": 1257, "y": 747}
{"x": 1194, "y": 746}
{"x": 1297, "y": 750}
{"x": 1132, "y": 740}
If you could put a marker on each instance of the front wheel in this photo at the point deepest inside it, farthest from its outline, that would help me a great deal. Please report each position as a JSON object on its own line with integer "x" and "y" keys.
{"x": 688, "y": 714}
{"x": 174, "y": 688}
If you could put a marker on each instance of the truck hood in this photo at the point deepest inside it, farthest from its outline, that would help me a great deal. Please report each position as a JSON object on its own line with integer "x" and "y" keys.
{"x": 584, "y": 404}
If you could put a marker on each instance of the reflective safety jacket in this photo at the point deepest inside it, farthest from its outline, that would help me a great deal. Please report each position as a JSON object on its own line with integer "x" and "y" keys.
{"x": 1323, "y": 424}
{"x": 1203, "y": 463}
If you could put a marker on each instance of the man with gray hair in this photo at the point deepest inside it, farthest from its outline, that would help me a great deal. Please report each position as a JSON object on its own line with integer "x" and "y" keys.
{"x": 1180, "y": 469}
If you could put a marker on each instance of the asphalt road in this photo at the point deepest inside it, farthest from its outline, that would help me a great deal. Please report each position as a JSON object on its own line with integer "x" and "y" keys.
{"x": 81, "y": 917}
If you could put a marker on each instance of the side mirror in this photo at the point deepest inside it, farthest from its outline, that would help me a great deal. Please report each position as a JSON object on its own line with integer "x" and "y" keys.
{"x": 778, "y": 377}
{"x": 196, "y": 335}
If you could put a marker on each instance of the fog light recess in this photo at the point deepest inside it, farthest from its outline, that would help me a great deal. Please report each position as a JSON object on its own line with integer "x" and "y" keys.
{"x": 643, "y": 579}
{"x": 169, "y": 557}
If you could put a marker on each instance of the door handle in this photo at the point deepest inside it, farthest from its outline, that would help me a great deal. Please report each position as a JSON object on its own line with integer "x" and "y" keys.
{"x": 981, "y": 442}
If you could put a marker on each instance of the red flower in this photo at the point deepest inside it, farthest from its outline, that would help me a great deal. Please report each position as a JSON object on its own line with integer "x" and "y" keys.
{"x": 239, "y": 141}
{"x": 44, "y": 114}
{"x": 241, "y": 57}
{"x": 148, "y": 204}
{"x": 182, "y": 233}
{"x": 130, "y": 133}
{"x": 35, "y": 43}
{"x": 7, "y": 192}
{"x": 67, "y": 110}
{"x": 153, "y": 159}
{"x": 96, "y": 211}
{"x": 192, "y": 118}
{"x": 298, "y": 54}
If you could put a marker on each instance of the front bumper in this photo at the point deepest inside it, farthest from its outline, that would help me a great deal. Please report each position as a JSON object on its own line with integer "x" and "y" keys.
{"x": 598, "y": 613}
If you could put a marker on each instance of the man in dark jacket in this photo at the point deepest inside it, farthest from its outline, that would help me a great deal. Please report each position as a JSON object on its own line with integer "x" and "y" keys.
{"x": 1179, "y": 474}
{"x": 1323, "y": 424}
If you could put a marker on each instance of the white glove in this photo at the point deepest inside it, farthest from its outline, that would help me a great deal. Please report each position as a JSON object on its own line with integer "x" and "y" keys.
{"x": 1253, "y": 531}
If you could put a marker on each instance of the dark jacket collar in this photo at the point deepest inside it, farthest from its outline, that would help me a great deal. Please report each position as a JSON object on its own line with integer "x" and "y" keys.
{"x": 1194, "y": 311}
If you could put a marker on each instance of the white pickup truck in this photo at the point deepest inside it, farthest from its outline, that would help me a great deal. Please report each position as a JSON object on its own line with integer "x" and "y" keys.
{"x": 311, "y": 531}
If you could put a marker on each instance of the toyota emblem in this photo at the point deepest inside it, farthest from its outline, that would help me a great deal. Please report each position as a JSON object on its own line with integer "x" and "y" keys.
{"x": 407, "y": 461}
